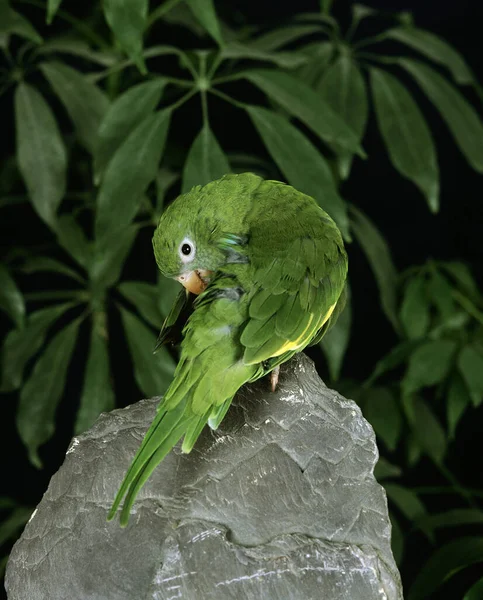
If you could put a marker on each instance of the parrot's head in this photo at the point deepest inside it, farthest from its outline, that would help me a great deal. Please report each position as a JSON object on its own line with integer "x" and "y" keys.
{"x": 187, "y": 239}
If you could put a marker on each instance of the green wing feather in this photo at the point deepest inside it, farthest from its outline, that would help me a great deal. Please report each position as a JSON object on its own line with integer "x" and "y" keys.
{"x": 176, "y": 318}
{"x": 209, "y": 373}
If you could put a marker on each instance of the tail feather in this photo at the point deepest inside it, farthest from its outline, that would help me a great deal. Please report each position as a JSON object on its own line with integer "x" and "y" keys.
{"x": 194, "y": 431}
{"x": 158, "y": 437}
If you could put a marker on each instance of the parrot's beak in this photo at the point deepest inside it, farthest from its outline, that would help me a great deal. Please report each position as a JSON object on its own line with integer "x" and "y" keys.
{"x": 195, "y": 281}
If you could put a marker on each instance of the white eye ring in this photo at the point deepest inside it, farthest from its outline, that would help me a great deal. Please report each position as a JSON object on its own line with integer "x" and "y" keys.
{"x": 187, "y": 250}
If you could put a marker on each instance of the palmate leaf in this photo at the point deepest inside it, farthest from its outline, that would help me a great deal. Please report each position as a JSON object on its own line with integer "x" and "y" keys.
{"x": 284, "y": 60}
{"x": 301, "y": 163}
{"x": 406, "y": 500}
{"x": 41, "y": 154}
{"x": 71, "y": 237}
{"x": 461, "y": 118}
{"x": 128, "y": 174}
{"x": 144, "y": 296}
{"x": 10, "y": 527}
{"x": 335, "y": 341}
{"x": 42, "y": 392}
{"x": 76, "y": 46}
{"x": 457, "y": 401}
{"x": 454, "y": 518}
{"x": 13, "y": 22}
{"x": 83, "y": 100}
{"x": 378, "y": 254}
{"x": 428, "y": 365}
{"x": 273, "y": 40}
{"x": 427, "y": 431}
{"x": 21, "y": 344}
{"x": 319, "y": 55}
{"x": 476, "y": 591}
{"x": 97, "y": 393}
{"x": 302, "y": 102}
{"x": 128, "y": 21}
{"x": 414, "y": 314}
{"x": 124, "y": 114}
{"x": 11, "y": 299}
{"x": 52, "y": 8}
{"x": 394, "y": 358}
{"x": 382, "y": 412}
{"x": 205, "y": 162}
{"x": 110, "y": 253}
{"x": 385, "y": 470}
{"x": 344, "y": 90}
{"x": 406, "y": 135}
{"x": 470, "y": 365}
{"x": 434, "y": 48}
{"x": 37, "y": 264}
{"x": 445, "y": 562}
{"x": 397, "y": 540}
{"x": 153, "y": 372}
{"x": 204, "y": 11}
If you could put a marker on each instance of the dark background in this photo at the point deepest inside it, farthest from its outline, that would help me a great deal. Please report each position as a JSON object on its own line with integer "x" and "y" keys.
{"x": 395, "y": 205}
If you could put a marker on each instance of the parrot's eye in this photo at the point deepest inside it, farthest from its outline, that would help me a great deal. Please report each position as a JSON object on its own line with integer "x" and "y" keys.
{"x": 187, "y": 250}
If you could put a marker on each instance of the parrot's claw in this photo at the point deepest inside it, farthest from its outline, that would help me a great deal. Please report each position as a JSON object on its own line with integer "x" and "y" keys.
{"x": 274, "y": 378}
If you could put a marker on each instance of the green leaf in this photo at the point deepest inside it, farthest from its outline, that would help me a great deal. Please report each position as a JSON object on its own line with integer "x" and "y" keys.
{"x": 206, "y": 160}
{"x": 124, "y": 114}
{"x": 83, "y": 100}
{"x": 144, "y": 296}
{"x": 457, "y": 402}
{"x": 11, "y": 299}
{"x": 204, "y": 11}
{"x": 11, "y": 526}
{"x": 406, "y": 135}
{"x": 461, "y": 118}
{"x": 52, "y": 8}
{"x": 284, "y": 35}
{"x": 128, "y": 174}
{"x": 359, "y": 12}
{"x": 444, "y": 562}
{"x": 344, "y": 90}
{"x": 13, "y": 22}
{"x": 318, "y": 56}
{"x": 335, "y": 341}
{"x": 461, "y": 275}
{"x": 414, "y": 312}
{"x": 470, "y": 365}
{"x": 301, "y": 163}
{"x": 21, "y": 344}
{"x": 165, "y": 178}
{"x": 153, "y": 372}
{"x": 69, "y": 44}
{"x": 413, "y": 450}
{"x": 428, "y": 431}
{"x": 41, "y": 155}
{"x": 110, "y": 254}
{"x": 284, "y": 60}
{"x": 302, "y": 102}
{"x": 43, "y": 390}
{"x": 71, "y": 237}
{"x": 128, "y": 22}
{"x": 406, "y": 500}
{"x": 397, "y": 541}
{"x": 454, "y": 518}
{"x": 428, "y": 365}
{"x": 382, "y": 412}
{"x": 475, "y": 592}
{"x": 440, "y": 292}
{"x": 384, "y": 469}
{"x": 434, "y": 48}
{"x": 34, "y": 264}
{"x": 393, "y": 359}
{"x": 379, "y": 256}
{"x": 97, "y": 393}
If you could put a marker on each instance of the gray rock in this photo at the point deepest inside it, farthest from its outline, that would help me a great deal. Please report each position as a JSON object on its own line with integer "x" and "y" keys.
{"x": 280, "y": 503}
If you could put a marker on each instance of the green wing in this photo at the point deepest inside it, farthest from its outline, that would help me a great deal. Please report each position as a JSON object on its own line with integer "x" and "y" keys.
{"x": 297, "y": 293}
{"x": 209, "y": 373}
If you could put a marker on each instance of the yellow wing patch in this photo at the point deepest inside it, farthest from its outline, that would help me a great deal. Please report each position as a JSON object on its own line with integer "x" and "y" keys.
{"x": 302, "y": 339}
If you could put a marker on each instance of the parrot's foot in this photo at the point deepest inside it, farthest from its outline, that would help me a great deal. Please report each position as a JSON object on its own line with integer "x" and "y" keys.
{"x": 274, "y": 378}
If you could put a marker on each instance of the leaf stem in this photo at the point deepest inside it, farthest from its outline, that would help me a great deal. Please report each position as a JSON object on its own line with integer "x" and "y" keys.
{"x": 160, "y": 11}
{"x": 227, "y": 78}
{"x": 370, "y": 40}
{"x": 468, "y": 305}
{"x": 80, "y": 295}
{"x": 227, "y": 98}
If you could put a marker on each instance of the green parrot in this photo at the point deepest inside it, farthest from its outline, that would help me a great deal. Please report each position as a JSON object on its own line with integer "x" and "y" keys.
{"x": 267, "y": 268}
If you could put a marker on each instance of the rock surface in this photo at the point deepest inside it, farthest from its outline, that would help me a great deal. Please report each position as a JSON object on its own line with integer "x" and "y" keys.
{"x": 280, "y": 503}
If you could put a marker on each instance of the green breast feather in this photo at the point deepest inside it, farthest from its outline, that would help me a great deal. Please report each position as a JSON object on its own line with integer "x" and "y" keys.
{"x": 271, "y": 268}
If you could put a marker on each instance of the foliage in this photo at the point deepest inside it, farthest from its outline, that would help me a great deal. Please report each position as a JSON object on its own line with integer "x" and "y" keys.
{"x": 103, "y": 116}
